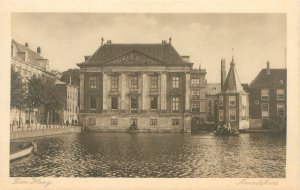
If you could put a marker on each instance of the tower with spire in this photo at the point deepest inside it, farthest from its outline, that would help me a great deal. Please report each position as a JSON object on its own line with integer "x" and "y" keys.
{"x": 233, "y": 104}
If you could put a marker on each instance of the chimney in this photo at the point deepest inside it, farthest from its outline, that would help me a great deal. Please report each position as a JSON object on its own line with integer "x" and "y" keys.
{"x": 163, "y": 41}
{"x": 223, "y": 72}
{"x": 39, "y": 50}
{"x": 27, "y": 45}
{"x": 102, "y": 39}
{"x": 268, "y": 68}
{"x": 108, "y": 42}
{"x": 170, "y": 40}
{"x": 86, "y": 57}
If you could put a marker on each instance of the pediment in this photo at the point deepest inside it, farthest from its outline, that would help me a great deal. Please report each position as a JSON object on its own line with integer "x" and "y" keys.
{"x": 134, "y": 58}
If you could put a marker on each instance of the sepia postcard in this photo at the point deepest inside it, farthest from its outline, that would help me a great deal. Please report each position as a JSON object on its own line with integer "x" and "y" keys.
{"x": 150, "y": 95}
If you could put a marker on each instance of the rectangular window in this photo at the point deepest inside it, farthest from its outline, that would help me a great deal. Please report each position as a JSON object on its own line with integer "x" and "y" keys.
{"x": 153, "y": 121}
{"x": 134, "y": 104}
{"x": 175, "y": 82}
{"x": 175, "y": 121}
{"x": 153, "y": 82}
{"x": 264, "y": 94}
{"x": 92, "y": 121}
{"x": 280, "y": 110}
{"x": 195, "y": 107}
{"x": 134, "y": 82}
{"x": 114, "y": 103}
{"x": 153, "y": 102}
{"x": 221, "y": 100}
{"x": 232, "y": 114}
{"x": 221, "y": 115}
{"x": 93, "y": 82}
{"x": 232, "y": 100}
{"x": 175, "y": 104}
{"x": 93, "y": 103}
{"x": 114, "y": 82}
{"x": 114, "y": 121}
{"x": 195, "y": 82}
{"x": 280, "y": 94}
{"x": 195, "y": 94}
{"x": 264, "y": 110}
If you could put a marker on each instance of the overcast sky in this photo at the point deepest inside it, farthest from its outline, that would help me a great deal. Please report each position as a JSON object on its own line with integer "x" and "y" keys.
{"x": 66, "y": 38}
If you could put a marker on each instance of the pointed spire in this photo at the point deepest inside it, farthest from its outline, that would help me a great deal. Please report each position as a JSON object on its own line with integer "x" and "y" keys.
{"x": 102, "y": 39}
{"x": 232, "y": 60}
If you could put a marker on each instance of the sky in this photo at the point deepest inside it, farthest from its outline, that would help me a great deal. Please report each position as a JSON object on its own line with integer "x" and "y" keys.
{"x": 252, "y": 39}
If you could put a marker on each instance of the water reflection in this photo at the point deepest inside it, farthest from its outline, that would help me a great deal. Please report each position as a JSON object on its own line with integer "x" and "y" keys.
{"x": 155, "y": 155}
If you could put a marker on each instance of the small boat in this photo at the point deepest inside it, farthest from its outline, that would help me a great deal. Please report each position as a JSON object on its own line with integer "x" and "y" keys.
{"x": 226, "y": 133}
{"x": 25, "y": 150}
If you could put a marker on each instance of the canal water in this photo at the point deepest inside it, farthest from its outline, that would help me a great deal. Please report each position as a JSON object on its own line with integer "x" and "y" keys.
{"x": 98, "y": 154}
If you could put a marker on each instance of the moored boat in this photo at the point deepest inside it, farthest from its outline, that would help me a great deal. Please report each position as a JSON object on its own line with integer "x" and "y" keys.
{"x": 24, "y": 151}
{"x": 226, "y": 133}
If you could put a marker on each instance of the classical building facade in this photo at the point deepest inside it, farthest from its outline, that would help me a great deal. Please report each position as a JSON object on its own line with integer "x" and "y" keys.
{"x": 233, "y": 102}
{"x": 197, "y": 98}
{"x": 29, "y": 63}
{"x": 267, "y": 95}
{"x": 70, "y": 95}
{"x": 145, "y": 85}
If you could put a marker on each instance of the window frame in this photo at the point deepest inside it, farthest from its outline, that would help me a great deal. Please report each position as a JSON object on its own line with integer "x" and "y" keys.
{"x": 195, "y": 82}
{"x": 134, "y": 82}
{"x": 154, "y": 82}
{"x": 93, "y": 82}
{"x": 280, "y": 106}
{"x": 92, "y": 108}
{"x": 175, "y": 104}
{"x": 278, "y": 95}
{"x": 263, "y": 93}
{"x": 230, "y": 114}
{"x": 114, "y": 82}
{"x": 153, "y": 100}
{"x": 114, "y": 102}
{"x": 175, "y": 82}
{"x": 232, "y": 99}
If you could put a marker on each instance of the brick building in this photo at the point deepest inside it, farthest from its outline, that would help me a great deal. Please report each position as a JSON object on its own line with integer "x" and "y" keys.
{"x": 70, "y": 95}
{"x": 29, "y": 63}
{"x": 267, "y": 97}
{"x": 197, "y": 97}
{"x": 147, "y": 85}
{"x": 233, "y": 104}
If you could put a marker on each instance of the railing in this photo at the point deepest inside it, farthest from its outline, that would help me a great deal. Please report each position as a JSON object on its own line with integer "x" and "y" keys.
{"x": 38, "y": 126}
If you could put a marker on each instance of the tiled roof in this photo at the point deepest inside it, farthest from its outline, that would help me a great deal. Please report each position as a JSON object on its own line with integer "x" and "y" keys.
{"x": 32, "y": 56}
{"x": 163, "y": 52}
{"x": 232, "y": 83}
{"x": 212, "y": 88}
{"x": 276, "y": 79}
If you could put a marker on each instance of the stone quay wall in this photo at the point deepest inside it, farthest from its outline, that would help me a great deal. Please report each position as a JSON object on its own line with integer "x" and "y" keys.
{"x": 53, "y": 130}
